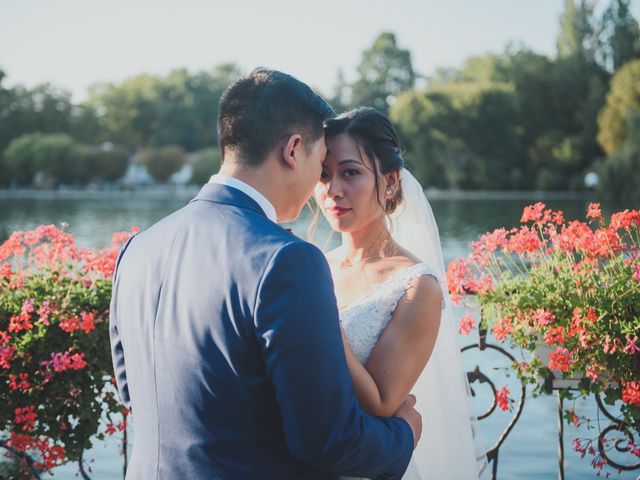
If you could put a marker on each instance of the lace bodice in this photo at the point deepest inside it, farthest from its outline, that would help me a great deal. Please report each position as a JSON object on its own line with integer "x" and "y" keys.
{"x": 366, "y": 318}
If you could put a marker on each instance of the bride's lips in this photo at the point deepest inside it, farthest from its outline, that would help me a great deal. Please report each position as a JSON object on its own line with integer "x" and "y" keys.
{"x": 337, "y": 211}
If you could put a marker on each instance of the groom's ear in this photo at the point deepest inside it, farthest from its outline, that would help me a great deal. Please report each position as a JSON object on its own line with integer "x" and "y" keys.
{"x": 289, "y": 149}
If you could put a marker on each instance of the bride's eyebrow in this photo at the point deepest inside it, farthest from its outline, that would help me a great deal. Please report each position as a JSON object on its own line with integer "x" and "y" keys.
{"x": 349, "y": 160}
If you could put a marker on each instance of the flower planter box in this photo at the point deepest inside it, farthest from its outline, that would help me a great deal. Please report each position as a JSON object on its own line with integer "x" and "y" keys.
{"x": 557, "y": 380}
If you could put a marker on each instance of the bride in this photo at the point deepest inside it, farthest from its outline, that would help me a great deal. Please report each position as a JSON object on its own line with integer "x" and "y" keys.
{"x": 389, "y": 281}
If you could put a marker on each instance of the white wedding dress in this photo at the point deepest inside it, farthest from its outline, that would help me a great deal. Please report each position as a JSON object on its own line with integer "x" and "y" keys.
{"x": 451, "y": 446}
{"x": 365, "y": 319}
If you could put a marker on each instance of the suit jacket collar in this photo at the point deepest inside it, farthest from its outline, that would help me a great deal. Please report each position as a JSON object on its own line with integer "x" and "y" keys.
{"x": 213, "y": 192}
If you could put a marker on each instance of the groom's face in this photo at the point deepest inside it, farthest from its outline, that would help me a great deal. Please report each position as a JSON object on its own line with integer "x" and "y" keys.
{"x": 309, "y": 161}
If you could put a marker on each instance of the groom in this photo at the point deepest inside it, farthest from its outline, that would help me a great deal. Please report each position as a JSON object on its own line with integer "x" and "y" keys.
{"x": 224, "y": 327}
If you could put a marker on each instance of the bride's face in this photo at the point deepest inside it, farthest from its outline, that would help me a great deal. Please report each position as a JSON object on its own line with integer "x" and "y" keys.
{"x": 346, "y": 193}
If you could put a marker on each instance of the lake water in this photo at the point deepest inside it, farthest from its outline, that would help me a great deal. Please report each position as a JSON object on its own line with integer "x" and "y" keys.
{"x": 530, "y": 451}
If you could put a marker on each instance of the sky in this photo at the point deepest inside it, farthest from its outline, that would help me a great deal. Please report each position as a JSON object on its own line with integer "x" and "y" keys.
{"x": 75, "y": 43}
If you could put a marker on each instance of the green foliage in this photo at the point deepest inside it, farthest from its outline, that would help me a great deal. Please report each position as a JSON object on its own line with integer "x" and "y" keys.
{"x": 619, "y": 174}
{"x": 48, "y": 160}
{"x": 534, "y": 122}
{"x": 128, "y": 111}
{"x": 44, "y": 109}
{"x": 163, "y": 162}
{"x": 620, "y": 35}
{"x": 112, "y": 164}
{"x": 420, "y": 120}
{"x": 578, "y": 31}
{"x": 108, "y": 163}
{"x": 41, "y": 109}
{"x": 622, "y": 99}
{"x": 54, "y": 158}
{"x": 205, "y": 163}
{"x": 148, "y": 111}
{"x": 18, "y": 163}
{"x": 531, "y": 77}
{"x": 85, "y": 125}
{"x": 60, "y": 159}
{"x": 462, "y": 135}
{"x": 577, "y": 93}
{"x": 384, "y": 71}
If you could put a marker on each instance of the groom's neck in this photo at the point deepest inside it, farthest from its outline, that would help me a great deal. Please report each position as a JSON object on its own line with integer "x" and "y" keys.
{"x": 261, "y": 177}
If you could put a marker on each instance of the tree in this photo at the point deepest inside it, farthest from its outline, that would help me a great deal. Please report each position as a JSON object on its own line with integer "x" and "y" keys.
{"x": 107, "y": 163}
{"x": 619, "y": 35}
{"x": 56, "y": 158}
{"x": 619, "y": 174}
{"x": 188, "y": 106}
{"x": 205, "y": 163}
{"x": 42, "y": 109}
{"x": 110, "y": 163}
{"x": 127, "y": 111}
{"x": 85, "y": 126}
{"x": 622, "y": 99}
{"x": 18, "y": 163}
{"x": 462, "y": 135}
{"x": 578, "y": 33}
{"x": 498, "y": 138}
{"x": 384, "y": 71}
{"x": 484, "y": 68}
{"x": 557, "y": 104}
{"x": 579, "y": 89}
{"x": 531, "y": 76}
{"x": 151, "y": 111}
{"x": 163, "y": 162}
{"x": 422, "y": 121}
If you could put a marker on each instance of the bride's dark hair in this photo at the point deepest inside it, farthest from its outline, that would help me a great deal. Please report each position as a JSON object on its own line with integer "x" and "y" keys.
{"x": 375, "y": 134}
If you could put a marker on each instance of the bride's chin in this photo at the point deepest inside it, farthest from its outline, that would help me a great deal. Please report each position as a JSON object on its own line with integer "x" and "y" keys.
{"x": 341, "y": 227}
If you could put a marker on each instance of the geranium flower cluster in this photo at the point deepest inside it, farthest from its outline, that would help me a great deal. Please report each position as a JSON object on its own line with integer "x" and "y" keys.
{"x": 54, "y": 300}
{"x": 572, "y": 286}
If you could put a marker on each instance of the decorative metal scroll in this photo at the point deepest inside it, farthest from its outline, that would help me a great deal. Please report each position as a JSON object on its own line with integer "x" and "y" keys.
{"x": 478, "y": 376}
{"x": 621, "y": 445}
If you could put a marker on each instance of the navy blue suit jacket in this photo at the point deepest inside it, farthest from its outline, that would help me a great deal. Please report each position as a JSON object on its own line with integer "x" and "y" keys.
{"x": 226, "y": 347}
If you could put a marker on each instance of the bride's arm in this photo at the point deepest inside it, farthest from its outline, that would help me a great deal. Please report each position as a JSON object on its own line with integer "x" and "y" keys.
{"x": 402, "y": 351}
{"x": 365, "y": 388}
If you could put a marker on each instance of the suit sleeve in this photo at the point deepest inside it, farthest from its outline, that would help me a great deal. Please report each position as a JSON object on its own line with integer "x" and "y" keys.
{"x": 117, "y": 350}
{"x": 296, "y": 320}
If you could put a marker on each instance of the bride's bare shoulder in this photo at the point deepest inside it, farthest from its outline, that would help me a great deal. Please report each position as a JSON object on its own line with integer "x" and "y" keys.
{"x": 402, "y": 258}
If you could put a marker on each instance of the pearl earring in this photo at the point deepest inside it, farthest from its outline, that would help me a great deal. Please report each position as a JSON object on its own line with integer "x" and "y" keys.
{"x": 389, "y": 191}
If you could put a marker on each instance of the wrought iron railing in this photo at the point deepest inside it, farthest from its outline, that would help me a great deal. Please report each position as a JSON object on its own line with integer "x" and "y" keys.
{"x": 478, "y": 377}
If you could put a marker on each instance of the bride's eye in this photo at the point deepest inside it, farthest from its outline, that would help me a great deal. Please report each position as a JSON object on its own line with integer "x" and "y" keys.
{"x": 351, "y": 172}
{"x": 324, "y": 176}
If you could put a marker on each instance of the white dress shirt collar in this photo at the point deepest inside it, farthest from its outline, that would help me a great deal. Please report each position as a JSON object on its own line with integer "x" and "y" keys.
{"x": 247, "y": 189}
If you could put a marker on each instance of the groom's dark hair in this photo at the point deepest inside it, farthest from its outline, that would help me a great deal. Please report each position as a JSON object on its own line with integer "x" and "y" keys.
{"x": 265, "y": 107}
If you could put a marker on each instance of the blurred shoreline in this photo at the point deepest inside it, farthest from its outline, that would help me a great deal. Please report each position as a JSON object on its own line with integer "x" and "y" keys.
{"x": 188, "y": 192}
